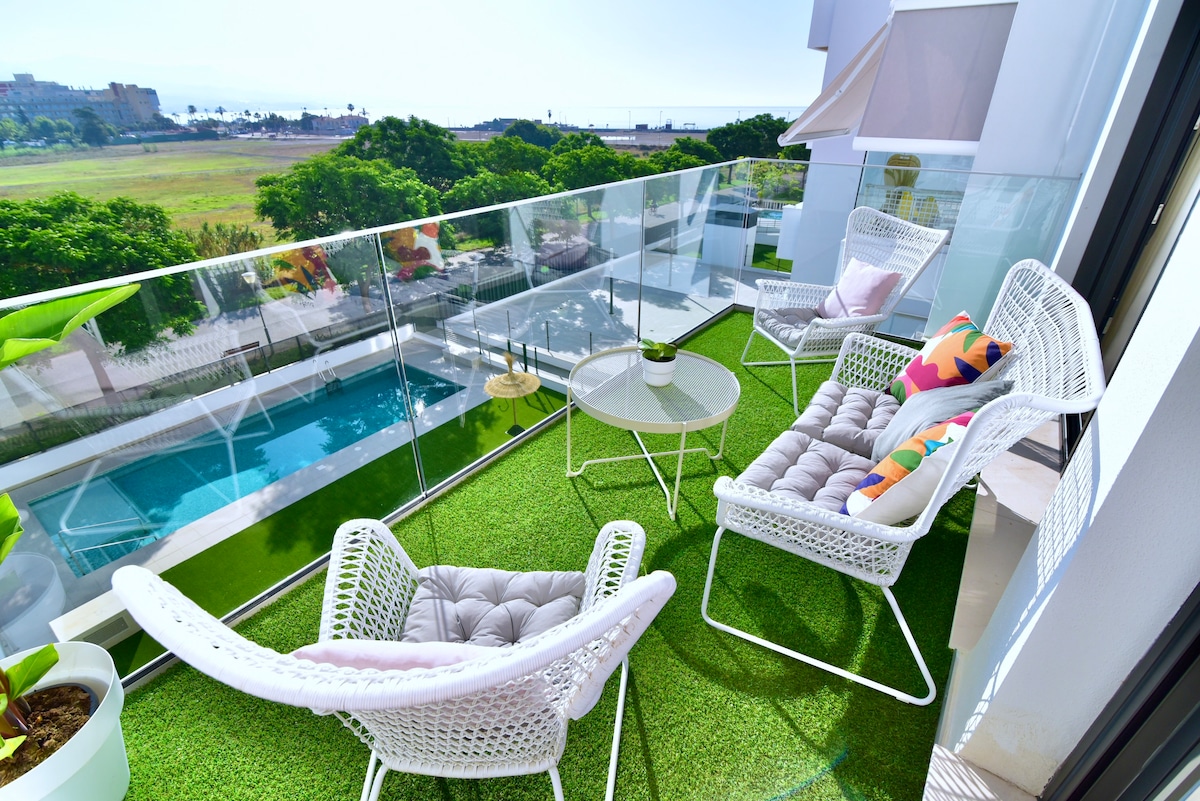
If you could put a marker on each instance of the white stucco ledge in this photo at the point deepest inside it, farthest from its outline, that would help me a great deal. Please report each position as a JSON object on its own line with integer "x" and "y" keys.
{"x": 952, "y": 778}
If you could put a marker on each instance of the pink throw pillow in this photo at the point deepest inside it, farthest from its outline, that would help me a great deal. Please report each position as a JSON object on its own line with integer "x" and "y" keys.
{"x": 386, "y": 655}
{"x": 860, "y": 292}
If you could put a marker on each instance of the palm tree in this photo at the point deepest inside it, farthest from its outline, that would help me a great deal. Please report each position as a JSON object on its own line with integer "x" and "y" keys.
{"x": 191, "y": 113}
{"x": 350, "y": 107}
{"x": 221, "y": 113}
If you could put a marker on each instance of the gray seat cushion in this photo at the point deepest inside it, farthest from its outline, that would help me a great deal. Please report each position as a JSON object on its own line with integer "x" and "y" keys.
{"x": 483, "y": 606}
{"x": 800, "y": 467}
{"x": 786, "y": 325}
{"x": 850, "y": 418}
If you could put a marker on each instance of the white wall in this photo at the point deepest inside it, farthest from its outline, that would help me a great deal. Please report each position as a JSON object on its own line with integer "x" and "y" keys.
{"x": 1062, "y": 70}
{"x": 830, "y": 192}
{"x": 1110, "y": 564}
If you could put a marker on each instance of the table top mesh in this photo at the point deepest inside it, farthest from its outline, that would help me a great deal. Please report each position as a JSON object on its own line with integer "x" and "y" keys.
{"x": 609, "y": 386}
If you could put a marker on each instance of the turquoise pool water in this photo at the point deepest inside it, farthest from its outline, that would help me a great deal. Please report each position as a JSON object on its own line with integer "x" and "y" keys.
{"x": 115, "y": 513}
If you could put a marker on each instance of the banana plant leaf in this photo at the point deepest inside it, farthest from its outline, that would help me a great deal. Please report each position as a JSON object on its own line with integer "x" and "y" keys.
{"x": 10, "y": 525}
{"x": 34, "y": 328}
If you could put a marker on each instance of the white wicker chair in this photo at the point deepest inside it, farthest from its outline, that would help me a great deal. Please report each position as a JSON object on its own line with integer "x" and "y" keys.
{"x": 499, "y": 715}
{"x": 879, "y": 239}
{"x": 1055, "y": 368}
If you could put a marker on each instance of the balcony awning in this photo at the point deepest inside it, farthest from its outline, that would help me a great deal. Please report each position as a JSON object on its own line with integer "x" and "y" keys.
{"x": 839, "y": 108}
{"x": 929, "y": 78}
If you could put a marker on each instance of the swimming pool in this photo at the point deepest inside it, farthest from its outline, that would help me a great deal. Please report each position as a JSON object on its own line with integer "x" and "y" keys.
{"x": 117, "y": 512}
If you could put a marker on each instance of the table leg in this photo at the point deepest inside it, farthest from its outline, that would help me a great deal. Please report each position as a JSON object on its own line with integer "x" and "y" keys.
{"x": 673, "y": 505}
{"x": 721, "y": 447}
{"x": 569, "y": 471}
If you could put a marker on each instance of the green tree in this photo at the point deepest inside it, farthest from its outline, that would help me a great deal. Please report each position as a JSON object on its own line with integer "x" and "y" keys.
{"x": 211, "y": 242}
{"x": 65, "y": 131}
{"x": 43, "y": 128}
{"x": 92, "y": 129}
{"x": 800, "y": 152}
{"x": 416, "y": 144}
{"x": 670, "y": 160}
{"x": 191, "y": 112}
{"x": 586, "y": 166}
{"x": 329, "y": 193}
{"x": 533, "y": 133}
{"x": 694, "y": 147}
{"x": 66, "y": 239}
{"x": 757, "y": 137}
{"x": 11, "y": 130}
{"x": 508, "y": 154}
{"x": 631, "y": 166}
{"x": 485, "y": 189}
{"x": 160, "y": 123}
{"x": 575, "y": 141}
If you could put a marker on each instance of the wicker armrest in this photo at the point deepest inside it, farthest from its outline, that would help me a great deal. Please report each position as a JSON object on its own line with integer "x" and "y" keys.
{"x": 615, "y": 561}
{"x": 370, "y": 583}
{"x": 789, "y": 294}
{"x": 869, "y": 362}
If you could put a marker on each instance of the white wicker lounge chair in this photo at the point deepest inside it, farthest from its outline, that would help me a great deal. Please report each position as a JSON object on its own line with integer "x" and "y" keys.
{"x": 881, "y": 240}
{"x": 1055, "y": 369}
{"x": 501, "y": 714}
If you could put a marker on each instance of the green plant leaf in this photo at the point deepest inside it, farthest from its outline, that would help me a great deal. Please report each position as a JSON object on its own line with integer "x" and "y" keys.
{"x": 29, "y": 671}
{"x": 10, "y": 744}
{"x": 37, "y": 327}
{"x": 8, "y": 722}
{"x": 10, "y": 525}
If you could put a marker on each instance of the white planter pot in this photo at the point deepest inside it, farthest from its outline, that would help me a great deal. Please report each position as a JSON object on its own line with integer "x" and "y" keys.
{"x": 658, "y": 374}
{"x": 92, "y": 764}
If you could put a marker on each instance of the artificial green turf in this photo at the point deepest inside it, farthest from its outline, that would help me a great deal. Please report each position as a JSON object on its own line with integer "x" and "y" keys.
{"x": 708, "y": 715}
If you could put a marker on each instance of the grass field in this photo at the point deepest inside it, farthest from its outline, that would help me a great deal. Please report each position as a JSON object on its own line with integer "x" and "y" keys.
{"x": 194, "y": 181}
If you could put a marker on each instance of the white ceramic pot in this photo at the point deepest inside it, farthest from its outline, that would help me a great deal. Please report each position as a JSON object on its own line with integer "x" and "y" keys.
{"x": 658, "y": 374}
{"x": 92, "y": 764}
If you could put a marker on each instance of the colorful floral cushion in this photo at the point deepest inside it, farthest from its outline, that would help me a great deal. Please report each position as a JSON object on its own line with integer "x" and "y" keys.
{"x": 902, "y": 484}
{"x": 958, "y": 353}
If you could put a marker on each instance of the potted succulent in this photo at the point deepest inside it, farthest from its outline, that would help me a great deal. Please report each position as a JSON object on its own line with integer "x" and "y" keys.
{"x": 658, "y": 362}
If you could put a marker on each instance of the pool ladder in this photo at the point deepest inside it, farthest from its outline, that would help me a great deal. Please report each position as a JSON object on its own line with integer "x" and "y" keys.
{"x": 333, "y": 384}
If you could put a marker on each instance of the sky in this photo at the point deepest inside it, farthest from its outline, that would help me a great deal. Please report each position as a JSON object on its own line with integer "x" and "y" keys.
{"x": 443, "y": 58}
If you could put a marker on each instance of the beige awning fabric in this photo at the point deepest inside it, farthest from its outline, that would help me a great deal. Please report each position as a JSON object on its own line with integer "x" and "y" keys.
{"x": 839, "y": 108}
{"x": 931, "y": 76}
{"x": 934, "y": 86}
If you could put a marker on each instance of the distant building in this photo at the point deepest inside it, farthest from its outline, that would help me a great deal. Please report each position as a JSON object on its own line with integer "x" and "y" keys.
{"x": 123, "y": 105}
{"x": 344, "y": 125}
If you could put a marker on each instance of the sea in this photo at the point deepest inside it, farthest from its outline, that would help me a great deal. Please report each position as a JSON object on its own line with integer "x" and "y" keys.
{"x": 604, "y": 117}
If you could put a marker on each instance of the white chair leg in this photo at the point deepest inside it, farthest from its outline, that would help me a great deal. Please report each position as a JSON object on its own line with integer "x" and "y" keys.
{"x": 616, "y": 746}
{"x": 795, "y": 396}
{"x": 746, "y": 351}
{"x": 845, "y": 674}
{"x": 557, "y": 782}
{"x": 374, "y": 781}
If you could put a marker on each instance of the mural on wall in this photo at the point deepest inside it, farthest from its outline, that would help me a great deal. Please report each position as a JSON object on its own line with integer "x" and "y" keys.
{"x": 415, "y": 250}
{"x": 303, "y": 270}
